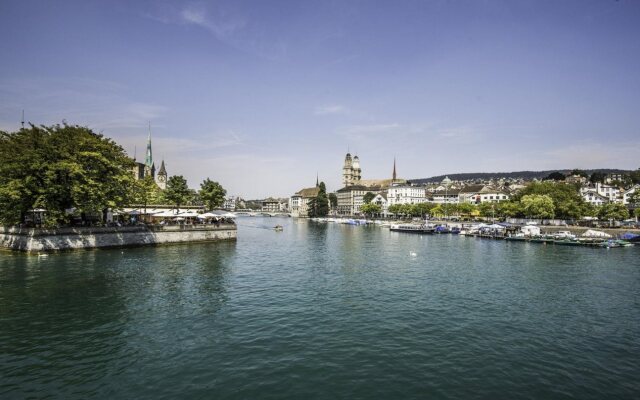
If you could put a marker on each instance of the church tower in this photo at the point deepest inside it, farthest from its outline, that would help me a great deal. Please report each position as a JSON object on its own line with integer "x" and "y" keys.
{"x": 161, "y": 177}
{"x": 357, "y": 172}
{"x": 149, "y": 166}
{"x": 394, "y": 170}
{"x": 347, "y": 170}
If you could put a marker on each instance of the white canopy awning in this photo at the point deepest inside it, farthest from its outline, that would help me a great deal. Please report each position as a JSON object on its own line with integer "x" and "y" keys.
{"x": 188, "y": 214}
{"x": 595, "y": 234}
{"x": 166, "y": 214}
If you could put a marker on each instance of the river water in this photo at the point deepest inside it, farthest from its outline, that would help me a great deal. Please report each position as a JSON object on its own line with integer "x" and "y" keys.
{"x": 322, "y": 311}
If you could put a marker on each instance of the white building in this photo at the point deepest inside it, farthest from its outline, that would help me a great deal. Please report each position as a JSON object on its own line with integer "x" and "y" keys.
{"x": 299, "y": 202}
{"x": 591, "y": 196}
{"x": 477, "y": 194}
{"x": 611, "y": 193}
{"x": 626, "y": 195}
{"x": 351, "y": 198}
{"x": 450, "y": 196}
{"x": 233, "y": 202}
{"x": 381, "y": 201}
{"x": 406, "y": 195}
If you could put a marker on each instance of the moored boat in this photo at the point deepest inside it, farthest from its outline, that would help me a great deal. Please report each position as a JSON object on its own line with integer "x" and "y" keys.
{"x": 412, "y": 228}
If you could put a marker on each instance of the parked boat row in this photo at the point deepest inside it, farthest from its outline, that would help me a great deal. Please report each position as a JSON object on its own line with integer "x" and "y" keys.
{"x": 590, "y": 238}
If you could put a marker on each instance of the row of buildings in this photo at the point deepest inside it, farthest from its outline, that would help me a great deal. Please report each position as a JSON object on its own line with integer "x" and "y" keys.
{"x": 392, "y": 191}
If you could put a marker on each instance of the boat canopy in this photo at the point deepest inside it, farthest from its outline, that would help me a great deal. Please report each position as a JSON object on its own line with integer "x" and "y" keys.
{"x": 592, "y": 233}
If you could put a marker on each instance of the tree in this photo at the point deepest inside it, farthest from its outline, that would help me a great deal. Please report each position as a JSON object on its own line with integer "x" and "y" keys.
{"x": 555, "y": 176}
{"x": 61, "y": 167}
{"x": 566, "y": 198}
{"x": 508, "y": 209}
{"x": 333, "y": 200}
{"x": 636, "y": 213}
{"x": 634, "y": 199}
{"x": 487, "y": 209}
{"x": 370, "y": 209}
{"x": 145, "y": 191}
{"x": 614, "y": 211}
{"x": 579, "y": 172}
{"x": 319, "y": 205}
{"x": 597, "y": 177}
{"x": 538, "y": 206}
{"x": 465, "y": 209}
{"x": 366, "y": 199}
{"x": 395, "y": 209}
{"x": 177, "y": 191}
{"x": 212, "y": 194}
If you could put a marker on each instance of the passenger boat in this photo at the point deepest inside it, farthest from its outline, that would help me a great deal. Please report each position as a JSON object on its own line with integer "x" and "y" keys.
{"x": 412, "y": 228}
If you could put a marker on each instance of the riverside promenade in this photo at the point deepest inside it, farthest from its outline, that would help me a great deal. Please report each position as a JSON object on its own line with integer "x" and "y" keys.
{"x": 37, "y": 240}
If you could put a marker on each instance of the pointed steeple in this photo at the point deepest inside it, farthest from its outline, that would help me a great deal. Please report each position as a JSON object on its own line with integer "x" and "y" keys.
{"x": 163, "y": 170}
{"x": 149, "y": 158}
{"x": 317, "y": 180}
{"x": 394, "y": 169}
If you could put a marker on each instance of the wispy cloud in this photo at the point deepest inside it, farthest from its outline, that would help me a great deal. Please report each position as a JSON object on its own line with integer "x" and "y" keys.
{"x": 331, "y": 109}
{"x": 222, "y": 26}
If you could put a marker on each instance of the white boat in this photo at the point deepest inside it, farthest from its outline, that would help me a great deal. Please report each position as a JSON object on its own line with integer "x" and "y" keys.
{"x": 411, "y": 228}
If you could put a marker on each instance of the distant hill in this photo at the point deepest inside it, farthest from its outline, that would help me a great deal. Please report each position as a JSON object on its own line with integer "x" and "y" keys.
{"x": 528, "y": 175}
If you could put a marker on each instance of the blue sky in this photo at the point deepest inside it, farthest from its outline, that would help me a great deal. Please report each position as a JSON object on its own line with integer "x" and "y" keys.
{"x": 262, "y": 95}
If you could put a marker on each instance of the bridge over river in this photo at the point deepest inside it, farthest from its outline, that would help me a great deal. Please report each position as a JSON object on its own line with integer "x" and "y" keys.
{"x": 255, "y": 213}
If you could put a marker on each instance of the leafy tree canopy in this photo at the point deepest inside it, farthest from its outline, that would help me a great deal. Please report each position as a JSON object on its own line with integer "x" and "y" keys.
{"x": 368, "y": 197}
{"x": 537, "y": 206}
{"x": 555, "y": 176}
{"x": 370, "y": 209}
{"x": 212, "y": 194}
{"x": 319, "y": 206}
{"x": 177, "y": 191}
{"x": 566, "y": 198}
{"x": 333, "y": 200}
{"x": 61, "y": 167}
{"x": 615, "y": 211}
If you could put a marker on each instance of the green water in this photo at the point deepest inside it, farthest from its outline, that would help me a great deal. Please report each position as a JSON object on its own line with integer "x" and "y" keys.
{"x": 322, "y": 311}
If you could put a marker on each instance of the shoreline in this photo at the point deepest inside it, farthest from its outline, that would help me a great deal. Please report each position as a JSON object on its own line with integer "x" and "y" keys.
{"x": 36, "y": 240}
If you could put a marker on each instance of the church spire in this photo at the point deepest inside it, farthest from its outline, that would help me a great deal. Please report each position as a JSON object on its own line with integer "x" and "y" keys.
{"x": 149, "y": 158}
{"x": 317, "y": 180}
{"x": 394, "y": 169}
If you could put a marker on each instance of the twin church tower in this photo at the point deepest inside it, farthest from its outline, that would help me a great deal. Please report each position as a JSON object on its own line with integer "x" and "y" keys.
{"x": 352, "y": 174}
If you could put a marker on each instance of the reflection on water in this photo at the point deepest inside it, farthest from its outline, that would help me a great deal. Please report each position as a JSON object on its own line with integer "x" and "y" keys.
{"x": 322, "y": 310}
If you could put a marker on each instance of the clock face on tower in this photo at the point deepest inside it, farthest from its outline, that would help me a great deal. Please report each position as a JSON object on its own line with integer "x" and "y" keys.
{"x": 161, "y": 178}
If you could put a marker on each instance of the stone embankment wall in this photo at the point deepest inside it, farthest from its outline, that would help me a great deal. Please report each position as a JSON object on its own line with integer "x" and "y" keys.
{"x": 47, "y": 240}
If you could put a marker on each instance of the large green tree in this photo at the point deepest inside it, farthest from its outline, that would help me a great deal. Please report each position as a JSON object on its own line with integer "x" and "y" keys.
{"x": 145, "y": 192}
{"x": 370, "y": 209}
{"x": 366, "y": 199}
{"x": 566, "y": 198}
{"x": 58, "y": 168}
{"x": 614, "y": 211}
{"x": 333, "y": 200}
{"x": 177, "y": 191}
{"x": 538, "y": 206}
{"x": 212, "y": 194}
{"x": 319, "y": 205}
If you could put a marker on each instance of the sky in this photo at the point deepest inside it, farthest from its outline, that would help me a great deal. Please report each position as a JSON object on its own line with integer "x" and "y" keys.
{"x": 263, "y": 96}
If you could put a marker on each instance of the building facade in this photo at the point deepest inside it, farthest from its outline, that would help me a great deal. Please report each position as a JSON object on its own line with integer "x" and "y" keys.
{"x": 405, "y": 194}
{"x": 299, "y": 202}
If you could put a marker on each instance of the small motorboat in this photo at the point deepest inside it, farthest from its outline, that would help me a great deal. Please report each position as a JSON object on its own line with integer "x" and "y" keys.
{"x": 278, "y": 228}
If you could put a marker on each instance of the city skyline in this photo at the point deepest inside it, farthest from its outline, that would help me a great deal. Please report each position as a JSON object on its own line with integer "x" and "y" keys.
{"x": 262, "y": 97}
